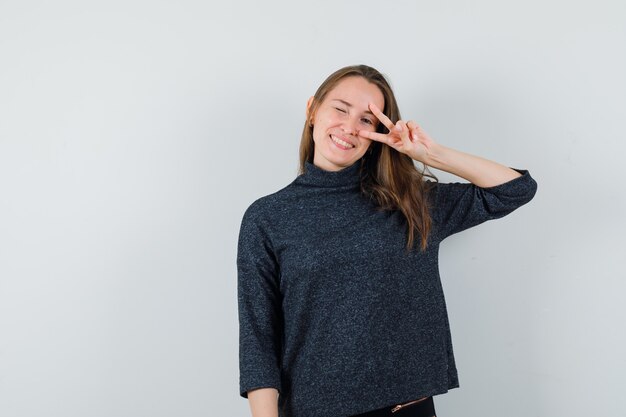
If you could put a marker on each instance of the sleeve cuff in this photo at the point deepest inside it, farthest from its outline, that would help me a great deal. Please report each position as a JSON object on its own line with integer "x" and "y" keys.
{"x": 243, "y": 392}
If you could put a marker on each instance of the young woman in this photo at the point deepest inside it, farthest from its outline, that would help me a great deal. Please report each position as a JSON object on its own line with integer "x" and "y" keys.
{"x": 341, "y": 308}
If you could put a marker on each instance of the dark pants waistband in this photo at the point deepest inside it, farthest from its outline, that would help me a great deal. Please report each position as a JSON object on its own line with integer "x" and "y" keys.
{"x": 425, "y": 408}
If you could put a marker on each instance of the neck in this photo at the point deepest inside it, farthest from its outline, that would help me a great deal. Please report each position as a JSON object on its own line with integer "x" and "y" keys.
{"x": 316, "y": 176}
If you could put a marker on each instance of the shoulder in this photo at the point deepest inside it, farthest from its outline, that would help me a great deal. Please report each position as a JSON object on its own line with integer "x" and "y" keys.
{"x": 270, "y": 205}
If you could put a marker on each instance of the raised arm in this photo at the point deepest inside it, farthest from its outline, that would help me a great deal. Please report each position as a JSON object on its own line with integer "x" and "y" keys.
{"x": 475, "y": 169}
{"x": 409, "y": 138}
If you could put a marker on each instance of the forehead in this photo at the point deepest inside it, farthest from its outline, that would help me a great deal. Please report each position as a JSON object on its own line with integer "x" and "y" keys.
{"x": 357, "y": 91}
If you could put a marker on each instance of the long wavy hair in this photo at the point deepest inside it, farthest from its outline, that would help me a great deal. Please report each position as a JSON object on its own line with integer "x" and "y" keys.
{"x": 388, "y": 177}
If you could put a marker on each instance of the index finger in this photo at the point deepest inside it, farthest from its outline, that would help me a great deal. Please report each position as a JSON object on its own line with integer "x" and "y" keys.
{"x": 381, "y": 116}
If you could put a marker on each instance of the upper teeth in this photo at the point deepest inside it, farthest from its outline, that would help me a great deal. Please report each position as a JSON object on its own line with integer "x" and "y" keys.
{"x": 342, "y": 142}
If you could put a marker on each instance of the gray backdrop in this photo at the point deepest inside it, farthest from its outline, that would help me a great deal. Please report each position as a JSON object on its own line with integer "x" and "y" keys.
{"x": 134, "y": 134}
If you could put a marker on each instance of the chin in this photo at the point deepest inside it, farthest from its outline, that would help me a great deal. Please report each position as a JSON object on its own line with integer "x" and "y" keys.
{"x": 343, "y": 162}
{"x": 341, "y": 158}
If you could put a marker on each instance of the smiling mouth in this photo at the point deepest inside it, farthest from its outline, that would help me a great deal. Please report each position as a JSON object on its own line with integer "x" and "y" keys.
{"x": 341, "y": 143}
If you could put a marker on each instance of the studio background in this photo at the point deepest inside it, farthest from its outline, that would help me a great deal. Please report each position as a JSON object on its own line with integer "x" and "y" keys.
{"x": 134, "y": 134}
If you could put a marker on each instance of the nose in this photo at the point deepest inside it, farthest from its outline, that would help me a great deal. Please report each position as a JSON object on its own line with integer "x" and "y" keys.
{"x": 349, "y": 127}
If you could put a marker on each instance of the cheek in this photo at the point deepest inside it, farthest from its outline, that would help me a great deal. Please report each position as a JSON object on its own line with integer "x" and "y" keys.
{"x": 319, "y": 133}
{"x": 322, "y": 124}
{"x": 328, "y": 119}
{"x": 366, "y": 144}
{"x": 365, "y": 140}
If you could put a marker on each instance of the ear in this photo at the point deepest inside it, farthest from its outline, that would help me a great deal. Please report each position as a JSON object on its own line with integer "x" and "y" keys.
{"x": 309, "y": 117}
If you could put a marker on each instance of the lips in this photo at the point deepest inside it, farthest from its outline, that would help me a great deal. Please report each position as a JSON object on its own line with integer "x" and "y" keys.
{"x": 342, "y": 142}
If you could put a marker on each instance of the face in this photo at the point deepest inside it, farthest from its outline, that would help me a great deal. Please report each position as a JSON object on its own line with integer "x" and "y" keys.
{"x": 338, "y": 119}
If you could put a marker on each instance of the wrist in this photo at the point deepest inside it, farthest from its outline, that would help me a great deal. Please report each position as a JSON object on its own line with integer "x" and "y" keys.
{"x": 436, "y": 156}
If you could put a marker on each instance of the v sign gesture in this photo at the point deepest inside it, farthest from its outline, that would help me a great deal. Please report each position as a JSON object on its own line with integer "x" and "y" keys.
{"x": 409, "y": 138}
{"x": 405, "y": 137}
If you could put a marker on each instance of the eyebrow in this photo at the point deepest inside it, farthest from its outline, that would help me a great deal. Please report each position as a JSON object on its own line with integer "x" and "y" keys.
{"x": 350, "y": 105}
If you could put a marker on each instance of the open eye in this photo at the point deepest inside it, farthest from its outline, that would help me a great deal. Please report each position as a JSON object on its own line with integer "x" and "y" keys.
{"x": 367, "y": 121}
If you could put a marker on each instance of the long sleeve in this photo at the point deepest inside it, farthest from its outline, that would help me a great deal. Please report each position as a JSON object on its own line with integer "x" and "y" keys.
{"x": 330, "y": 301}
{"x": 260, "y": 317}
{"x": 459, "y": 206}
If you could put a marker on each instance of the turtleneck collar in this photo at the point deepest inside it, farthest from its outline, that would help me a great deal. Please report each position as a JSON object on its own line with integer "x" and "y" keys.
{"x": 316, "y": 176}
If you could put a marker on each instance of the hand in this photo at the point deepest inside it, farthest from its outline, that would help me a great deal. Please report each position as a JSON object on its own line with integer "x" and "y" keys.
{"x": 406, "y": 137}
